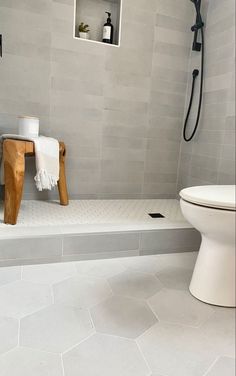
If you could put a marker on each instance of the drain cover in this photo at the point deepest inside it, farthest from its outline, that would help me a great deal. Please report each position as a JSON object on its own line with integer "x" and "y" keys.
{"x": 156, "y": 215}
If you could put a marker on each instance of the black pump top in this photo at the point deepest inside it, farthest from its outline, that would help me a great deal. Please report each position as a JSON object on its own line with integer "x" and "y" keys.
{"x": 109, "y": 17}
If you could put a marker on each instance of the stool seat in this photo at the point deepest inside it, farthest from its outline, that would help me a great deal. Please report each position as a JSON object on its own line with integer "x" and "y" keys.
{"x": 14, "y": 153}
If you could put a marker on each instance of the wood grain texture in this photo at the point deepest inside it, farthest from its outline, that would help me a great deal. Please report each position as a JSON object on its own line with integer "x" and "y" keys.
{"x": 62, "y": 187}
{"x": 14, "y": 152}
{"x": 14, "y": 170}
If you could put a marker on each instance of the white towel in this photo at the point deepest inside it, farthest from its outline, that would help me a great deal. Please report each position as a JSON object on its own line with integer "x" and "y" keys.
{"x": 46, "y": 158}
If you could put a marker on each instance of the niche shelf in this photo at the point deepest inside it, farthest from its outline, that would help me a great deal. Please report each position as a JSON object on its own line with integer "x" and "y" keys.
{"x": 92, "y": 12}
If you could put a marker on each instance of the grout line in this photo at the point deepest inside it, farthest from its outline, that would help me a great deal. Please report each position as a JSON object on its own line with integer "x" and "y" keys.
{"x": 211, "y": 366}
{"x": 78, "y": 343}
{"x": 91, "y": 319}
{"x": 62, "y": 365}
{"x": 144, "y": 358}
{"x": 18, "y": 340}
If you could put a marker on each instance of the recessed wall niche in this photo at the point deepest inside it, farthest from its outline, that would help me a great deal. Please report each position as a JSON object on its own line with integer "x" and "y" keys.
{"x": 92, "y": 13}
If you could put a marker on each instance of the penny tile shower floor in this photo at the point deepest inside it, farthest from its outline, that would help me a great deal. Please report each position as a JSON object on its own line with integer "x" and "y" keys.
{"x": 48, "y": 217}
{"x": 124, "y": 317}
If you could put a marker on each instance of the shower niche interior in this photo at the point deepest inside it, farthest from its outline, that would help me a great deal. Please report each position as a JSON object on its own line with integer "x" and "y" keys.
{"x": 93, "y": 13}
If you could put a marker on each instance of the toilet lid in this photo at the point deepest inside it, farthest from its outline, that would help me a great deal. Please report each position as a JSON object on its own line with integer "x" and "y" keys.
{"x": 215, "y": 196}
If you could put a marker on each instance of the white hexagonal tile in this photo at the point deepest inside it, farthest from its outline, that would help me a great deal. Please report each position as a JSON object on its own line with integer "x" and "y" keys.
{"x": 144, "y": 264}
{"x": 184, "y": 260}
{"x": 155, "y": 263}
{"x": 9, "y": 274}
{"x": 221, "y": 328}
{"x": 21, "y": 298}
{"x": 8, "y": 333}
{"x": 223, "y": 366}
{"x": 123, "y": 316}
{"x": 100, "y": 268}
{"x": 175, "y": 278}
{"x": 103, "y": 355}
{"x": 28, "y": 362}
{"x": 83, "y": 292}
{"x": 48, "y": 273}
{"x": 55, "y": 328}
{"x": 176, "y": 350}
{"x": 180, "y": 307}
{"x": 135, "y": 284}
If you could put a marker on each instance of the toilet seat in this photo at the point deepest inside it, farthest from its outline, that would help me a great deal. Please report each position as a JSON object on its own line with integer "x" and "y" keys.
{"x": 212, "y": 196}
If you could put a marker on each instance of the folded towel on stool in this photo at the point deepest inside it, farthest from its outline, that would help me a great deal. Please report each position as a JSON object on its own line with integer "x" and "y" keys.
{"x": 46, "y": 158}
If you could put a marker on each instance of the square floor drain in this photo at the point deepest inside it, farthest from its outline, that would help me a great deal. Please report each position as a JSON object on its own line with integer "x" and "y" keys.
{"x": 156, "y": 215}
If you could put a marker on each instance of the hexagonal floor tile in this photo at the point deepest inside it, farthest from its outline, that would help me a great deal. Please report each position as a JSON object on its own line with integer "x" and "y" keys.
{"x": 83, "y": 292}
{"x": 100, "y": 268}
{"x": 48, "y": 273}
{"x": 180, "y": 307}
{"x": 176, "y": 350}
{"x": 134, "y": 284}
{"x": 184, "y": 260}
{"x": 8, "y": 333}
{"x": 221, "y": 329}
{"x": 21, "y": 298}
{"x": 154, "y": 264}
{"x": 223, "y": 366}
{"x": 105, "y": 355}
{"x": 55, "y": 328}
{"x": 123, "y": 316}
{"x": 9, "y": 274}
{"x": 28, "y": 362}
{"x": 175, "y": 278}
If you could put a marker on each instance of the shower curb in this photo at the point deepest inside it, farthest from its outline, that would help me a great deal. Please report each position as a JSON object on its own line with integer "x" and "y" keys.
{"x": 36, "y": 249}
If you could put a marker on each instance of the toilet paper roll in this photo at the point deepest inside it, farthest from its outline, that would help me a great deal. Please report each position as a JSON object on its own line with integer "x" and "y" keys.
{"x": 28, "y": 126}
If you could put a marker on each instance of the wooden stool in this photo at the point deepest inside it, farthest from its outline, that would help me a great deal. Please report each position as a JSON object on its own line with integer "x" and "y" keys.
{"x": 14, "y": 152}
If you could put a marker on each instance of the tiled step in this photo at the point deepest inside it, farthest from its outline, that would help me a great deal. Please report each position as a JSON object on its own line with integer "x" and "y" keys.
{"x": 40, "y": 248}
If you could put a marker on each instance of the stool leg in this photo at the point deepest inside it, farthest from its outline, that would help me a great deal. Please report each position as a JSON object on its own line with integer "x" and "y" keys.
{"x": 62, "y": 188}
{"x": 14, "y": 169}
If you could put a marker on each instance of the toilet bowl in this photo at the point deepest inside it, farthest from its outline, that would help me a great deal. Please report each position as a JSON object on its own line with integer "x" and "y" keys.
{"x": 211, "y": 210}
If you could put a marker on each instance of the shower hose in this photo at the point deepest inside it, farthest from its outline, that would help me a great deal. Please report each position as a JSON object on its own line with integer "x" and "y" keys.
{"x": 195, "y": 74}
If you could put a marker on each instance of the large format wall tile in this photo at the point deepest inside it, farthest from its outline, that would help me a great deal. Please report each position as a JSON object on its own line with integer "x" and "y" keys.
{"x": 211, "y": 160}
{"x": 82, "y": 244}
{"x": 27, "y": 248}
{"x": 104, "y": 102}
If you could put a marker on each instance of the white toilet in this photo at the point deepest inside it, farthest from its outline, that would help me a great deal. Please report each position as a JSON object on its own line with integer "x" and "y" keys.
{"x": 211, "y": 210}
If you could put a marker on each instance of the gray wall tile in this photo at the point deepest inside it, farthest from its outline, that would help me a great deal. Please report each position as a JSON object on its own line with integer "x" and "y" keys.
{"x": 28, "y": 248}
{"x": 106, "y": 103}
{"x": 211, "y": 160}
{"x": 84, "y": 244}
{"x": 163, "y": 241}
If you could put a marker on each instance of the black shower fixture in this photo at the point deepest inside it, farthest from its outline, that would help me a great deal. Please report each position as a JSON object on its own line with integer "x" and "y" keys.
{"x": 197, "y": 46}
{"x": 197, "y": 26}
